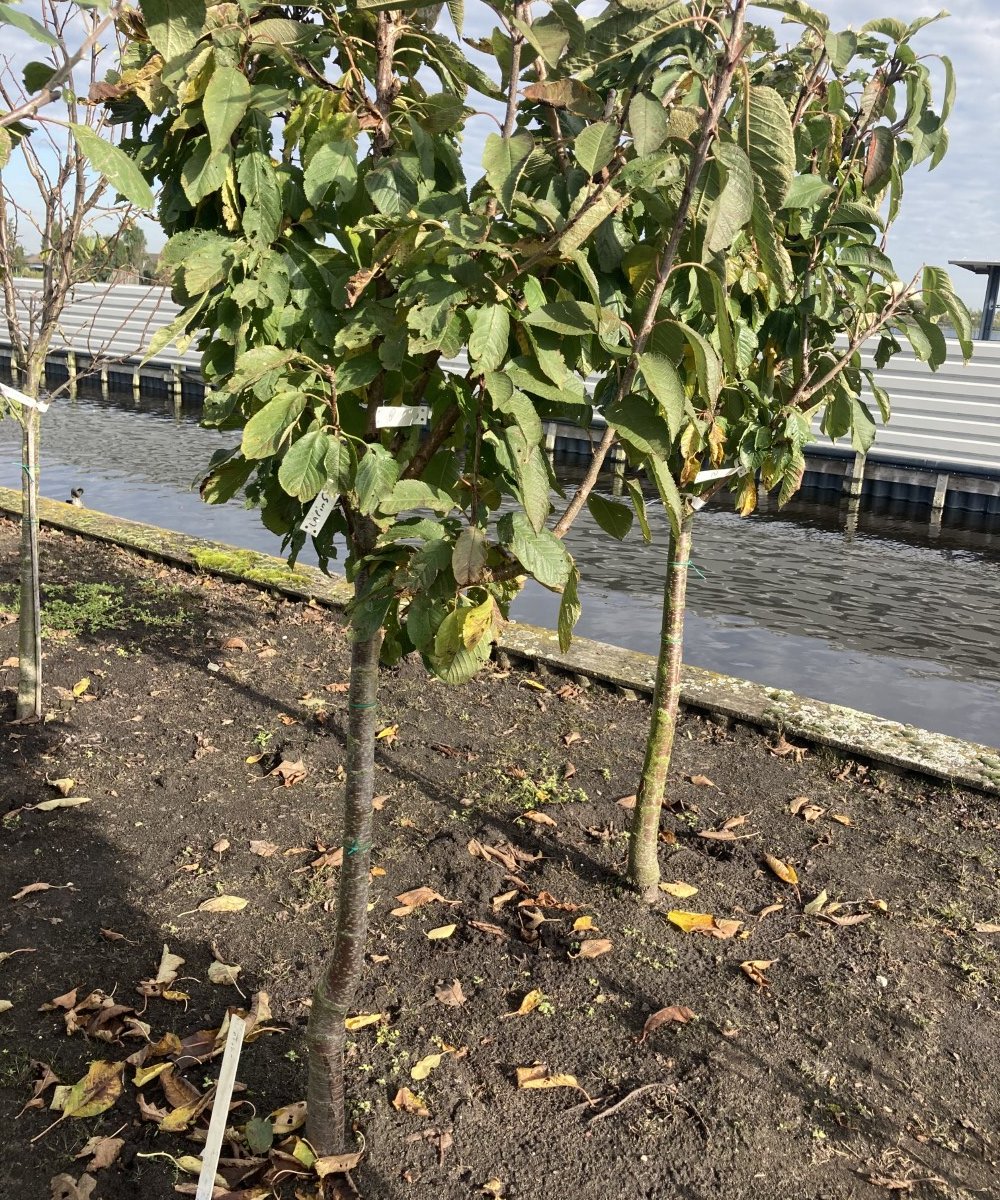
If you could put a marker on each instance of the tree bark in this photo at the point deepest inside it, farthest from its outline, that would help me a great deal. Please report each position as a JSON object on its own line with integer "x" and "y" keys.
{"x": 29, "y": 639}
{"x": 334, "y": 994}
{"x": 643, "y": 860}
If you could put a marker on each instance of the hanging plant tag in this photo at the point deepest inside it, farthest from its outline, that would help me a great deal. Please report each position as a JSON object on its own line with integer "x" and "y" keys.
{"x": 398, "y": 416}
{"x": 10, "y": 393}
{"x": 319, "y": 513}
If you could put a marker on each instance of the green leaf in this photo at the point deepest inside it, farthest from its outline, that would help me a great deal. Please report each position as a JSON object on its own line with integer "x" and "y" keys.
{"x": 641, "y": 425}
{"x": 334, "y": 165}
{"x": 266, "y": 429}
{"x": 489, "y": 338}
{"x": 203, "y": 172}
{"x": 862, "y": 426}
{"x": 36, "y": 76}
{"x": 594, "y": 146}
{"x": 948, "y": 101}
{"x": 732, "y": 208}
{"x": 224, "y": 104}
{"x": 807, "y": 191}
{"x": 452, "y": 661}
{"x": 303, "y": 471}
{"x": 174, "y": 26}
{"x": 941, "y": 301}
{"x": 469, "y": 556}
{"x": 259, "y": 188}
{"x": 392, "y": 187}
{"x": 410, "y": 494}
{"x": 928, "y": 342}
{"x": 890, "y": 27}
{"x": 771, "y": 249}
{"x": 540, "y": 552}
{"x": 115, "y": 165}
{"x": 841, "y": 48}
{"x": 770, "y": 143}
{"x": 648, "y": 124}
{"x": 569, "y": 609}
{"x": 584, "y": 223}
{"x": 797, "y": 10}
{"x": 254, "y": 364}
{"x": 572, "y": 317}
{"x": 504, "y": 160}
{"x": 341, "y": 465}
{"x": 456, "y": 9}
{"x": 639, "y": 504}
{"x": 868, "y": 258}
{"x": 666, "y": 485}
{"x": 662, "y": 379}
{"x": 613, "y": 518}
{"x": 10, "y": 15}
{"x": 377, "y": 474}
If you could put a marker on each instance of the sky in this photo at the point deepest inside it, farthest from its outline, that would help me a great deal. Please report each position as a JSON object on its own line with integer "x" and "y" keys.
{"x": 953, "y": 212}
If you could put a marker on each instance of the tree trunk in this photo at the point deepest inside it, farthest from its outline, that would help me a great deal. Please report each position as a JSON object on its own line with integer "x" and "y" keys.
{"x": 334, "y": 994}
{"x": 643, "y": 861}
{"x": 29, "y": 640}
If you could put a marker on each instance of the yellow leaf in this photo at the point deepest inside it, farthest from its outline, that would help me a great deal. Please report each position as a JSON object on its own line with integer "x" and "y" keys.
{"x": 288, "y": 1119}
{"x": 427, "y": 1064}
{"x": 784, "y": 871}
{"x": 389, "y": 734}
{"x": 533, "y": 683}
{"x": 585, "y": 924}
{"x": 679, "y": 890}
{"x": 528, "y": 1004}
{"x": 62, "y": 786}
{"x": 407, "y": 1101}
{"x": 223, "y": 904}
{"x": 815, "y": 907}
{"x": 178, "y": 1119}
{"x": 81, "y": 687}
{"x": 363, "y": 1019}
{"x": 254, "y": 758}
{"x": 61, "y": 802}
{"x": 538, "y": 1077}
{"x": 144, "y": 1074}
{"x": 96, "y": 1091}
{"x": 705, "y": 923}
{"x": 442, "y": 931}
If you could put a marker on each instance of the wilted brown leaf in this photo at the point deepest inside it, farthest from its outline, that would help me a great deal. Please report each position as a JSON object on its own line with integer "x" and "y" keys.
{"x": 30, "y": 888}
{"x": 289, "y": 772}
{"x": 289, "y": 1118}
{"x": 784, "y": 871}
{"x": 754, "y": 969}
{"x": 170, "y": 965}
{"x": 406, "y": 1101}
{"x": 336, "y": 688}
{"x": 264, "y": 849}
{"x": 336, "y": 1164}
{"x": 65, "y": 1187}
{"x": 60, "y": 802}
{"x": 236, "y": 643}
{"x": 486, "y": 927}
{"x": 770, "y": 908}
{"x": 62, "y": 786}
{"x": 66, "y": 1001}
{"x": 571, "y": 738}
{"x": 627, "y": 802}
{"x": 102, "y": 1151}
{"x": 223, "y": 973}
{"x": 450, "y": 994}
{"x": 539, "y": 818}
{"x": 701, "y": 781}
{"x": 841, "y": 819}
{"x": 498, "y": 902}
{"x": 782, "y": 748}
{"x": 986, "y": 927}
{"x": 417, "y": 898}
{"x": 674, "y": 1012}
{"x": 850, "y": 919}
{"x": 594, "y": 948}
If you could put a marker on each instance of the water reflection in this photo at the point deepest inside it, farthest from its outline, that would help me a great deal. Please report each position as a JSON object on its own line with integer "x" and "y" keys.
{"x": 891, "y": 618}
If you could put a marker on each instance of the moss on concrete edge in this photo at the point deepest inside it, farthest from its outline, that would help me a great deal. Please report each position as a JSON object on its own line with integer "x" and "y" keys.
{"x": 843, "y": 729}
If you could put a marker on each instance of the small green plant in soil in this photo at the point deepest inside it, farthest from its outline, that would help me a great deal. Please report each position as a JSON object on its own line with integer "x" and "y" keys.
{"x": 103, "y": 607}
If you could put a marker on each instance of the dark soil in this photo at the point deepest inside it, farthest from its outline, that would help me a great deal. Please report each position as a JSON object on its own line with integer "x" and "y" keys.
{"x": 867, "y": 1067}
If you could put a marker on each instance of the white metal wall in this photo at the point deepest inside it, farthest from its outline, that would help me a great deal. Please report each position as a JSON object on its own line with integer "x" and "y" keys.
{"x": 951, "y": 417}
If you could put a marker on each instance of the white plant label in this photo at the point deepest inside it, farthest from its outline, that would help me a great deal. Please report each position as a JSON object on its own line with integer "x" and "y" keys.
{"x": 319, "y": 513}
{"x": 399, "y": 416}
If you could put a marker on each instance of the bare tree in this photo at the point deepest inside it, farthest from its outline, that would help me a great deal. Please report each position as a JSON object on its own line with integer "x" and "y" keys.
{"x": 48, "y": 183}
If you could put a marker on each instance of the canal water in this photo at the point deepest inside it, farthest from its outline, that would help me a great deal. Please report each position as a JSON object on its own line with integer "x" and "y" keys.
{"x": 890, "y": 616}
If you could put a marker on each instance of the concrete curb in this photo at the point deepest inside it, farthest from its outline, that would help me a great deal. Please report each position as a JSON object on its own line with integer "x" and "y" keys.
{"x": 847, "y": 730}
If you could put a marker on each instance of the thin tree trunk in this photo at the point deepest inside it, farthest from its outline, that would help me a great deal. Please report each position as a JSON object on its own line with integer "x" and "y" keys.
{"x": 29, "y": 640}
{"x": 334, "y": 994}
{"x": 643, "y": 860}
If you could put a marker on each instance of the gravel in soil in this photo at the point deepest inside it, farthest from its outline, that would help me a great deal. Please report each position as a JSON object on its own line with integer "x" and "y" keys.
{"x": 860, "y": 1060}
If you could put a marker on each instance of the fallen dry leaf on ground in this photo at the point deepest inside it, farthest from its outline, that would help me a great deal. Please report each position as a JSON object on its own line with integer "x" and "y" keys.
{"x": 264, "y": 849}
{"x": 754, "y": 969}
{"x": 594, "y": 948}
{"x": 406, "y": 1101}
{"x": 539, "y": 818}
{"x": 679, "y": 890}
{"x": 784, "y": 871}
{"x": 450, "y": 994}
{"x": 416, "y": 898}
{"x": 170, "y": 965}
{"x": 528, "y": 1004}
{"x": 362, "y": 1020}
{"x": 585, "y": 924}
{"x": 841, "y": 819}
{"x": 421, "y": 1069}
{"x": 30, "y": 888}
{"x": 701, "y": 781}
{"x": 60, "y": 802}
{"x": 817, "y": 904}
{"x": 663, "y": 1016}
{"x": 627, "y": 802}
{"x": 63, "y": 786}
{"x": 6, "y": 1006}
{"x": 986, "y": 927}
{"x": 486, "y": 927}
{"x": 782, "y": 748}
{"x": 538, "y": 1077}
{"x": 96, "y": 1092}
{"x": 223, "y": 973}
{"x": 220, "y": 904}
{"x": 289, "y": 1118}
{"x": 336, "y": 1164}
{"x": 5, "y": 954}
{"x": 102, "y": 1151}
{"x": 289, "y": 772}
{"x": 65, "y": 1187}
{"x": 705, "y": 923}
{"x": 851, "y": 919}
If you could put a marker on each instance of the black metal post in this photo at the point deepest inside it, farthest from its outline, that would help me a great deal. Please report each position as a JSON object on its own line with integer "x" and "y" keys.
{"x": 990, "y": 304}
